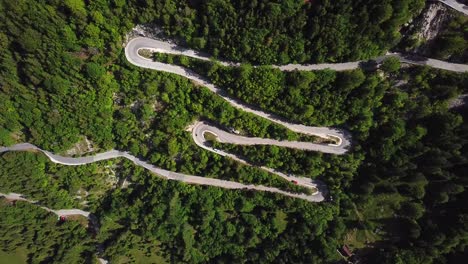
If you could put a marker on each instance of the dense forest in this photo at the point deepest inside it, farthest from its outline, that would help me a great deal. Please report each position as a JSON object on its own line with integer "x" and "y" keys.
{"x": 397, "y": 196}
{"x": 37, "y": 237}
{"x": 409, "y": 187}
{"x": 159, "y": 220}
{"x": 326, "y": 98}
{"x": 194, "y": 224}
{"x": 415, "y": 171}
{"x": 281, "y": 32}
{"x": 57, "y": 186}
{"x": 57, "y": 65}
{"x": 408, "y": 145}
{"x": 56, "y": 68}
{"x": 151, "y": 122}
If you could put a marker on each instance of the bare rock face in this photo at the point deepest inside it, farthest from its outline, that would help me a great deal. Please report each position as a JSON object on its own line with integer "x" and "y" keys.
{"x": 421, "y": 32}
{"x": 432, "y": 21}
{"x": 82, "y": 147}
{"x": 144, "y": 30}
{"x": 152, "y": 31}
{"x": 459, "y": 102}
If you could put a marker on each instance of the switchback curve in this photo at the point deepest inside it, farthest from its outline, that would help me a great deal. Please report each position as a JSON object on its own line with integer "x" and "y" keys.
{"x": 131, "y": 52}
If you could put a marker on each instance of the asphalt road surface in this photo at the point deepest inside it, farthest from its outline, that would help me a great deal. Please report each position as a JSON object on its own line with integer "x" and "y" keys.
{"x": 317, "y": 197}
{"x": 343, "y": 138}
{"x": 131, "y": 52}
{"x": 456, "y": 5}
{"x": 200, "y": 128}
{"x": 343, "y": 143}
{"x": 415, "y": 60}
{"x": 61, "y": 212}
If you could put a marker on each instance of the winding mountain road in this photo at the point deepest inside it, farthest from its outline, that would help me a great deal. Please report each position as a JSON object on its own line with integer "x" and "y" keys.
{"x": 342, "y": 137}
{"x": 200, "y": 128}
{"x": 59, "y": 213}
{"x": 139, "y": 43}
{"x": 198, "y": 134}
{"x": 316, "y": 197}
{"x": 131, "y": 52}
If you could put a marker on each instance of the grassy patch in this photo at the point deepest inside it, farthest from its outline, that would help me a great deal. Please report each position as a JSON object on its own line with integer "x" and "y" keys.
{"x": 145, "y": 53}
{"x": 376, "y": 218}
{"x": 139, "y": 256}
{"x": 210, "y": 136}
{"x": 381, "y": 206}
{"x": 142, "y": 252}
{"x": 19, "y": 256}
{"x": 358, "y": 238}
{"x": 80, "y": 219}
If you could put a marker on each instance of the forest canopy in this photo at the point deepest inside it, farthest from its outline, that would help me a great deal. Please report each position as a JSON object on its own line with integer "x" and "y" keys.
{"x": 398, "y": 194}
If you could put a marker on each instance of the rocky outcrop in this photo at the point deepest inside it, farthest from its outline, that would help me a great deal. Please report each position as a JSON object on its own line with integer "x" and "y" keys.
{"x": 433, "y": 19}
{"x": 419, "y": 33}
